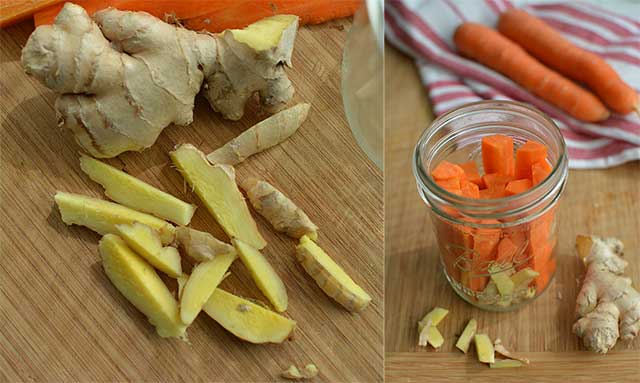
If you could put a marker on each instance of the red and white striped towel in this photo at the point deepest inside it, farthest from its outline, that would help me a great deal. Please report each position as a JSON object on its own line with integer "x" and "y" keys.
{"x": 424, "y": 29}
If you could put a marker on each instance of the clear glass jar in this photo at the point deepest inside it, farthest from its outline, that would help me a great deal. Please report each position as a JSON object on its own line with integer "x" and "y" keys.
{"x": 497, "y": 254}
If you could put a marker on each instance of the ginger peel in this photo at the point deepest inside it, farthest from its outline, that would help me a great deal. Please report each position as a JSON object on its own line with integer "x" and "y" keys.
{"x": 608, "y": 306}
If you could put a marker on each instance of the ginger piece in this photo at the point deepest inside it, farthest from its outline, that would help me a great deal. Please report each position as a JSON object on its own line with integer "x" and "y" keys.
{"x": 522, "y": 278}
{"x": 500, "y": 349}
{"x": 309, "y": 371}
{"x": 423, "y": 338}
{"x": 204, "y": 279}
{"x": 264, "y": 135}
{"x": 506, "y": 363}
{"x": 263, "y": 275}
{"x": 102, "y": 216}
{"x": 331, "y": 278}
{"x": 247, "y": 320}
{"x": 467, "y": 335}
{"x": 608, "y": 306}
{"x": 136, "y": 194}
{"x": 427, "y": 328}
{"x": 503, "y": 282}
{"x": 141, "y": 285}
{"x": 216, "y": 187}
{"x": 146, "y": 242}
{"x": 484, "y": 348}
{"x": 125, "y": 76}
{"x": 279, "y": 210}
{"x": 199, "y": 245}
{"x": 435, "y": 316}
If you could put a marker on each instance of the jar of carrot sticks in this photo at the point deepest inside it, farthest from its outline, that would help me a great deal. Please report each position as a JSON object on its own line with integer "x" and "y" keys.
{"x": 492, "y": 173}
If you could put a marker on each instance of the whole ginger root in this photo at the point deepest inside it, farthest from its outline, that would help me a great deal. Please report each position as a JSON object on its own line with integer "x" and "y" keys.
{"x": 608, "y": 306}
{"x": 125, "y": 76}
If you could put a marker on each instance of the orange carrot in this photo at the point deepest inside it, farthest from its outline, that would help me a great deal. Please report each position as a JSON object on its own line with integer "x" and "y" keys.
{"x": 218, "y": 15}
{"x": 497, "y": 155}
{"x": 446, "y": 170}
{"x": 496, "y": 181}
{"x": 547, "y": 45}
{"x": 506, "y": 251}
{"x": 539, "y": 171}
{"x": 247, "y": 12}
{"x": 527, "y": 155}
{"x": 471, "y": 173}
{"x": 13, "y": 11}
{"x": 469, "y": 189}
{"x": 518, "y": 186}
{"x": 492, "y": 49}
{"x": 451, "y": 185}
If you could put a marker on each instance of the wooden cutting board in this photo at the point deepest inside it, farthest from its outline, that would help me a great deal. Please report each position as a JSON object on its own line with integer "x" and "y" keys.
{"x": 604, "y": 202}
{"x": 61, "y": 318}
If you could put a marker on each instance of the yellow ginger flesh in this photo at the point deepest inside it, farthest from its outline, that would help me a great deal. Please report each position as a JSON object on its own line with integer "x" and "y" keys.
{"x": 204, "y": 279}
{"x": 263, "y": 275}
{"x": 146, "y": 242}
{"x": 125, "y": 76}
{"x": 607, "y": 305}
{"x": 331, "y": 278}
{"x": 484, "y": 348}
{"x": 264, "y": 135}
{"x": 102, "y": 216}
{"x": 247, "y": 320}
{"x": 467, "y": 336}
{"x": 278, "y": 209}
{"x": 140, "y": 284}
{"x": 216, "y": 187}
{"x": 136, "y": 194}
{"x": 309, "y": 371}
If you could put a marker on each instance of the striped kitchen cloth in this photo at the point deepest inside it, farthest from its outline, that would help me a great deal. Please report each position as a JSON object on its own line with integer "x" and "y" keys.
{"x": 424, "y": 29}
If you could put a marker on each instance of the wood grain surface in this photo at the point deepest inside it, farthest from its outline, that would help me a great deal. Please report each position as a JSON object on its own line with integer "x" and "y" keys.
{"x": 604, "y": 202}
{"x": 62, "y": 320}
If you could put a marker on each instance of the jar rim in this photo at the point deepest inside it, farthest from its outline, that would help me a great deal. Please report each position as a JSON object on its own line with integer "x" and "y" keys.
{"x": 554, "y": 182}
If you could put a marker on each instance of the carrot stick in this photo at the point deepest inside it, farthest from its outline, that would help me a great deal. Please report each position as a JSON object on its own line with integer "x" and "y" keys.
{"x": 218, "y": 15}
{"x": 471, "y": 173}
{"x": 446, "y": 170}
{"x": 13, "y": 11}
{"x": 492, "y": 49}
{"x": 518, "y": 186}
{"x": 527, "y": 155}
{"x": 540, "y": 171}
{"x": 547, "y": 45}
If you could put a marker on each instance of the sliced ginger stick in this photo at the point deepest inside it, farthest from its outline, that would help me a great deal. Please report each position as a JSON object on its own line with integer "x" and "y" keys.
{"x": 102, "y": 216}
{"x": 331, "y": 278}
{"x": 141, "y": 285}
{"x": 467, "y": 336}
{"x": 263, "y": 275}
{"x": 506, "y": 363}
{"x": 265, "y": 134}
{"x": 427, "y": 328}
{"x": 484, "y": 348}
{"x": 204, "y": 279}
{"x": 199, "y": 245}
{"x": 279, "y": 210}
{"x": 146, "y": 242}
{"x": 136, "y": 194}
{"x": 216, "y": 187}
{"x": 248, "y": 320}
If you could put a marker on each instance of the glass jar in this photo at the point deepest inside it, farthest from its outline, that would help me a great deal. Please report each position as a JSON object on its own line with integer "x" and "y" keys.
{"x": 497, "y": 254}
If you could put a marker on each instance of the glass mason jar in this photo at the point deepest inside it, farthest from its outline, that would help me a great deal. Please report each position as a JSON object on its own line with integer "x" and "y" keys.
{"x": 497, "y": 254}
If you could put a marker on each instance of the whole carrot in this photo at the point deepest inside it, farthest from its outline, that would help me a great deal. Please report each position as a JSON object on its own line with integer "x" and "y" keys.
{"x": 547, "y": 45}
{"x": 492, "y": 49}
{"x": 218, "y": 15}
{"x": 12, "y": 11}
